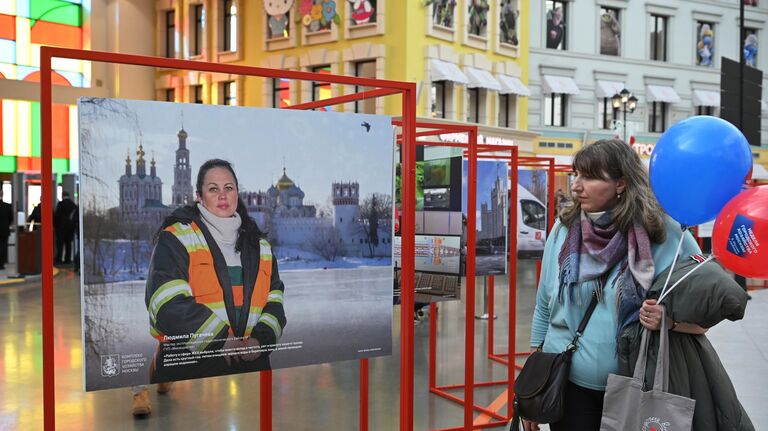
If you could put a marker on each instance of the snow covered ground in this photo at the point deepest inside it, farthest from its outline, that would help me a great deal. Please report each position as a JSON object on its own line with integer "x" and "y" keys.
{"x": 291, "y": 258}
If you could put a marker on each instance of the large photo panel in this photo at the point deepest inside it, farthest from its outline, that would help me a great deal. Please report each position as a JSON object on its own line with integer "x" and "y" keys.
{"x": 440, "y": 236}
{"x": 280, "y": 256}
{"x": 492, "y": 215}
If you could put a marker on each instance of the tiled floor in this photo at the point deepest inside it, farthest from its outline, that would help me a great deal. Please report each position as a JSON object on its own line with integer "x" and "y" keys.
{"x": 317, "y": 398}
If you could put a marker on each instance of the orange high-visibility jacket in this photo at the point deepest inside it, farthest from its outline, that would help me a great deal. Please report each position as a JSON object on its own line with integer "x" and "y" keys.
{"x": 191, "y": 302}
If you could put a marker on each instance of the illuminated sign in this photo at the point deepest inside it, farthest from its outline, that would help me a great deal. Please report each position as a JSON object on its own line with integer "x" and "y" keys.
{"x": 463, "y": 138}
{"x": 643, "y": 149}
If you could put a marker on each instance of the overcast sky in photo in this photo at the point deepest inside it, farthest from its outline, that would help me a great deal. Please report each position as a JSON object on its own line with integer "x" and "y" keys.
{"x": 317, "y": 148}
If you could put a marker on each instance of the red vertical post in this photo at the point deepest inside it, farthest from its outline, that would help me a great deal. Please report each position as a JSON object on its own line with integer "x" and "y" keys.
{"x": 432, "y": 346}
{"x": 408, "y": 250}
{"x": 551, "y": 195}
{"x": 265, "y": 400}
{"x": 49, "y": 377}
{"x": 490, "y": 314}
{"x": 364, "y": 394}
{"x": 469, "y": 337}
{"x": 512, "y": 279}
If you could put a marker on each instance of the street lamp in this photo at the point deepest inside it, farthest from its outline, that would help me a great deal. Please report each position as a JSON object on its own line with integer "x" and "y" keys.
{"x": 625, "y": 101}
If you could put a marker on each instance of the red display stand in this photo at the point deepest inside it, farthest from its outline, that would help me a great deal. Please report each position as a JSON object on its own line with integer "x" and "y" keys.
{"x": 380, "y": 88}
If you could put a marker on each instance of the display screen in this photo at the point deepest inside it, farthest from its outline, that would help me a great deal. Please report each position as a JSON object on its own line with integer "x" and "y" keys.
{"x": 437, "y": 173}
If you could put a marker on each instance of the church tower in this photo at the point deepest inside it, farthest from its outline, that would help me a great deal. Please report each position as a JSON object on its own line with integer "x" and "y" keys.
{"x": 182, "y": 174}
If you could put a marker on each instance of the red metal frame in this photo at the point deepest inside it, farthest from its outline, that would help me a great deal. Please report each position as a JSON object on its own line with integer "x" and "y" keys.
{"x": 433, "y": 129}
{"x": 483, "y": 152}
{"x": 380, "y": 88}
{"x": 541, "y": 162}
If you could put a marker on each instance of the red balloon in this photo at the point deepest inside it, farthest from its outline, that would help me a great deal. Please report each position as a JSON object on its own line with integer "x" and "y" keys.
{"x": 740, "y": 236}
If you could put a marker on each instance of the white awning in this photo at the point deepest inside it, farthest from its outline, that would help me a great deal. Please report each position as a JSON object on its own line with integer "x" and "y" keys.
{"x": 512, "y": 85}
{"x": 479, "y": 78}
{"x": 608, "y": 88}
{"x": 440, "y": 70}
{"x": 759, "y": 172}
{"x": 706, "y": 98}
{"x": 661, "y": 93}
{"x": 560, "y": 85}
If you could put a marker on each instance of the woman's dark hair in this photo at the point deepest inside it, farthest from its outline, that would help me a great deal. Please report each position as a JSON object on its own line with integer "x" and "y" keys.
{"x": 249, "y": 230}
{"x": 613, "y": 159}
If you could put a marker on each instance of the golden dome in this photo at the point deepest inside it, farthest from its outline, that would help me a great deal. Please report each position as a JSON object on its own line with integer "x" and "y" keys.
{"x": 284, "y": 182}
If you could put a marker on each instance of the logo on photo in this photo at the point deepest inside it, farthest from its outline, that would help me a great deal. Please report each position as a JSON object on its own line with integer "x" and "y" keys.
{"x": 655, "y": 424}
{"x": 110, "y": 365}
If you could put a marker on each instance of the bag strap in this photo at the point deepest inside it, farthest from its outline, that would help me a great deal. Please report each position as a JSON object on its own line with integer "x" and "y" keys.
{"x": 583, "y": 325}
{"x": 661, "y": 377}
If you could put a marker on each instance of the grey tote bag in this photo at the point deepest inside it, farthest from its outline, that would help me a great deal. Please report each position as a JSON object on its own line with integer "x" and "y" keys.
{"x": 627, "y": 407}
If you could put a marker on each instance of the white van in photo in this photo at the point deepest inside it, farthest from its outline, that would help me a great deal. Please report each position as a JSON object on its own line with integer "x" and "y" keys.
{"x": 531, "y": 225}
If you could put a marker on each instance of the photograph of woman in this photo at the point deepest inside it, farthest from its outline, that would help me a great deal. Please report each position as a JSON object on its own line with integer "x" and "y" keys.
{"x": 214, "y": 296}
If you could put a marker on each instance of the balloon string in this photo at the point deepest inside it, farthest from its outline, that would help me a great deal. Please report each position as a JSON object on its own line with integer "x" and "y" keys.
{"x": 664, "y": 295}
{"x": 674, "y": 261}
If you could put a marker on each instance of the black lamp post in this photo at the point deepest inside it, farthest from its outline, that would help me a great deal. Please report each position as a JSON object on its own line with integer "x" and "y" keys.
{"x": 625, "y": 101}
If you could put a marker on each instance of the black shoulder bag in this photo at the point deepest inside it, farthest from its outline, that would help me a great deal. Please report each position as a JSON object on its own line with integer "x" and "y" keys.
{"x": 540, "y": 387}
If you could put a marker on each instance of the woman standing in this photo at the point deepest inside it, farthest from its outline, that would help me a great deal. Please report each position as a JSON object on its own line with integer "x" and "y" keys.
{"x": 214, "y": 296}
{"x": 613, "y": 240}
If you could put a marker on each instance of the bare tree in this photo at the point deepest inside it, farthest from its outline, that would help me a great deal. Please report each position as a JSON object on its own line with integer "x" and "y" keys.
{"x": 94, "y": 113}
{"x": 327, "y": 243}
{"x": 375, "y": 212}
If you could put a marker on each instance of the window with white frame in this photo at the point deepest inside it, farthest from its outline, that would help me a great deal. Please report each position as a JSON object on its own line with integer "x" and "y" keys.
{"x": 321, "y": 90}
{"x": 478, "y": 13}
{"x": 658, "y": 37}
{"x": 554, "y": 109}
{"x": 228, "y": 93}
{"x": 363, "y": 12}
{"x": 657, "y": 117}
{"x": 750, "y": 46}
{"x": 443, "y": 13}
{"x": 365, "y": 69}
{"x": 607, "y": 113}
{"x": 508, "y": 22}
{"x": 610, "y": 31}
{"x": 281, "y": 92}
{"x": 507, "y": 110}
{"x": 439, "y": 95}
{"x": 196, "y": 91}
{"x": 229, "y": 26}
{"x": 705, "y": 110}
{"x": 473, "y": 105}
{"x": 169, "y": 33}
{"x": 705, "y": 43}
{"x": 197, "y": 29}
{"x": 557, "y": 19}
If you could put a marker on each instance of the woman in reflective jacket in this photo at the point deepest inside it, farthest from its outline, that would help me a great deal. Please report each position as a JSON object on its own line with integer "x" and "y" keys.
{"x": 214, "y": 296}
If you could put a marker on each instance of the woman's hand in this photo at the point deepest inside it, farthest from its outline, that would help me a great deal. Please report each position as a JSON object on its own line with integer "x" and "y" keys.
{"x": 650, "y": 315}
{"x": 530, "y": 426}
{"x": 230, "y": 354}
{"x": 252, "y": 346}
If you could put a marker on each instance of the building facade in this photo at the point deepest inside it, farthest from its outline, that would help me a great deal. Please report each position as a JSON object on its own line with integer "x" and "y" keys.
{"x": 667, "y": 54}
{"x": 468, "y": 58}
{"x": 25, "y": 26}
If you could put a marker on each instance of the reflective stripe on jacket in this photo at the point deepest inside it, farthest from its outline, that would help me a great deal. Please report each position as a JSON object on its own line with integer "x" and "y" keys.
{"x": 187, "y": 293}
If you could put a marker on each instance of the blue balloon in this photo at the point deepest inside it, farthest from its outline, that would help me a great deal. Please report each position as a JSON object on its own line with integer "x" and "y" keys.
{"x": 697, "y": 166}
